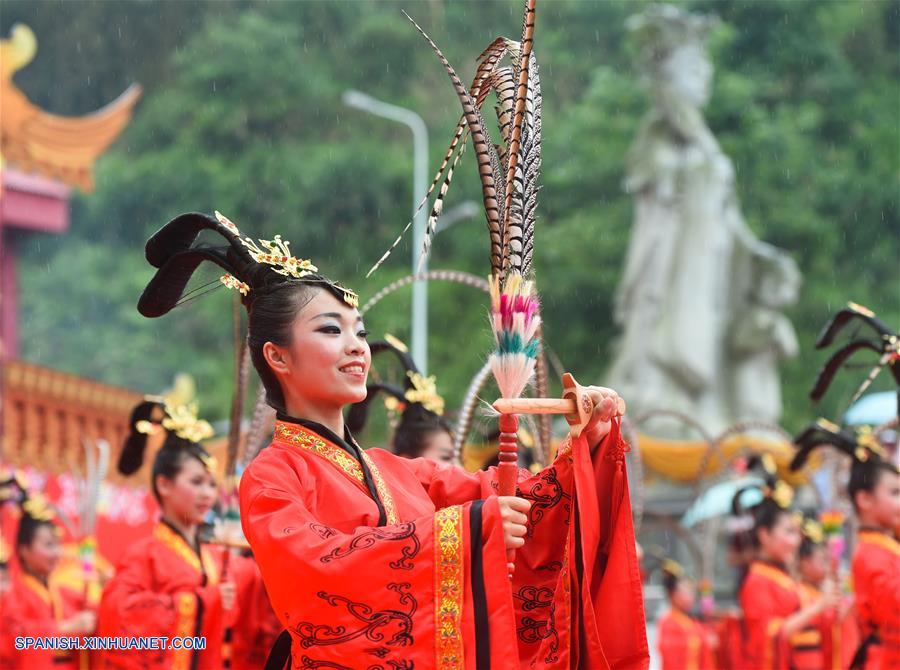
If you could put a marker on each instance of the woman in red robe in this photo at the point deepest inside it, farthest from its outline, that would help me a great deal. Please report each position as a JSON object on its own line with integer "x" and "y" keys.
{"x": 168, "y": 584}
{"x": 778, "y": 626}
{"x": 376, "y": 561}
{"x": 256, "y": 629}
{"x": 684, "y": 642}
{"x": 874, "y": 490}
{"x": 837, "y": 627}
{"x": 36, "y": 607}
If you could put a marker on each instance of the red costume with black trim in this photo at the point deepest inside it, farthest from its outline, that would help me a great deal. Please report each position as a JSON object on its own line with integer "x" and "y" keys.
{"x": 876, "y": 579}
{"x": 34, "y": 609}
{"x": 768, "y": 596}
{"x": 684, "y": 642}
{"x": 372, "y": 560}
{"x": 164, "y": 587}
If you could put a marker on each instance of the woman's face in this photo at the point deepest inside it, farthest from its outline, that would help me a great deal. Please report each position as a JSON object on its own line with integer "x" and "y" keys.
{"x": 439, "y": 447}
{"x": 189, "y": 496}
{"x": 684, "y": 595}
{"x": 814, "y": 567}
{"x": 327, "y": 361}
{"x": 41, "y": 555}
{"x": 781, "y": 542}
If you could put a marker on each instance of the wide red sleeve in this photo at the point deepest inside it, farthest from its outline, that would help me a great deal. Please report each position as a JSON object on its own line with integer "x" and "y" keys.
{"x": 399, "y": 595}
{"x": 613, "y": 596}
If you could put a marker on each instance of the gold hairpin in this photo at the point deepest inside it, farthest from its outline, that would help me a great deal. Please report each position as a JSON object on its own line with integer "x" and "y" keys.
{"x": 424, "y": 392}
{"x": 277, "y": 253}
{"x": 812, "y": 529}
{"x": 673, "y": 568}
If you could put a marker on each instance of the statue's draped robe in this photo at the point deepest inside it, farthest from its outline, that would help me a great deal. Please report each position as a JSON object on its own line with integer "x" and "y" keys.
{"x": 374, "y": 561}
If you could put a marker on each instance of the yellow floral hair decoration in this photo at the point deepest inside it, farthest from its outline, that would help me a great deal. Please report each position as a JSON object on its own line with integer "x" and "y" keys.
{"x": 425, "y": 393}
{"x": 812, "y": 529}
{"x": 673, "y": 568}
{"x": 781, "y": 493}
{"x": 277, "y": 253}
{"x": 36, "y": 507}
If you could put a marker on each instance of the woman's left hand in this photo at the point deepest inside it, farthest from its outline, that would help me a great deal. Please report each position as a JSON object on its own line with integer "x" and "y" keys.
{"x": 606, "y": 408}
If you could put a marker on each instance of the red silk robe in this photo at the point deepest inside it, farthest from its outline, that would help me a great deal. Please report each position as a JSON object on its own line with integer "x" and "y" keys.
{"x": 392, "y": 563}
{"x": 876, "y": 578}
{"x": 684, "y": 643}
{"x": 840, "y": 638}
{"x": 163, "y": 588}
{"x": 257, "y": 627}
{"x": 31, "y": 609}
{"x": 768, "y": 596}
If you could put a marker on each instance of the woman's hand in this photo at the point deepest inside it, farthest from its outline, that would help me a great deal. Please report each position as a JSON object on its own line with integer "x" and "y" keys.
{"x": 82, "y": 623}
{"x": 513, "y": 512}
{"x": 606, "y": 408}
{"x": 228, "y": 592}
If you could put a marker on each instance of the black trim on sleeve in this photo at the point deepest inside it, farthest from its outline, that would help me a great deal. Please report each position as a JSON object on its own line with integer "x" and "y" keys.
{"x": 479, "y": 597}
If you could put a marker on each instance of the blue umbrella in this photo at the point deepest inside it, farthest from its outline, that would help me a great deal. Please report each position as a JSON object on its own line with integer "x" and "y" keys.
{"x": 872, "y": 409}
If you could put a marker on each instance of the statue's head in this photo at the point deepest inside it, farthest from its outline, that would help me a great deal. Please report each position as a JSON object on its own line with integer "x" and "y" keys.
{"x": 672, "y": 43}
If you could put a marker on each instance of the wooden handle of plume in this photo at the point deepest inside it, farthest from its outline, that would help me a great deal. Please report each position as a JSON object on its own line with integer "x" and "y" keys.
{"x": 576, "y": 405}
{"x": 508, "y": 468}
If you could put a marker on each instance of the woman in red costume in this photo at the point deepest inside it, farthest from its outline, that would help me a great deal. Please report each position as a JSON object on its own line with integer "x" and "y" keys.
{"x": 169, "y": 584}
{"x": 779, "y": 626}
{"x": 684, "y": 642}
{"x": 874, "y": 489}
{"x": 34, "y": 606}
{"x": 376, "y": 561}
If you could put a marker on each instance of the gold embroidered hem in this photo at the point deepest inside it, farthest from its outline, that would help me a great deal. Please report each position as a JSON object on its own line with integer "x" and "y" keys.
{"x": 383, "y": 492}
{"x": 298, "y": 436}
{"x": 178, "y": 545}
{"x": 448, "y": 594}
{"x": 185, "y": 623}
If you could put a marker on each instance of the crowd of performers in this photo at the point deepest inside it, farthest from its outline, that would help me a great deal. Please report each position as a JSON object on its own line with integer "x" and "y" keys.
{"x": 797, "y": 610}
{"x": 397, "y": 558}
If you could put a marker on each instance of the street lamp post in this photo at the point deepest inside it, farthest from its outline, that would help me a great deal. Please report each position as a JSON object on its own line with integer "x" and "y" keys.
{"x": 419, "y": 343}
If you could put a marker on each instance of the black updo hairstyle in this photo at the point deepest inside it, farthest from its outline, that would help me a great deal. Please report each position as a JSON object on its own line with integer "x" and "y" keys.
{"x": 672, "y": 574}
{"x": 868, "y": 461}
{"x": 272, "y": 299}
{"x": 11, "y": 490}
{"x": 171, "y": 456}
{"x": 766, "y": 513}
{"x": 417, "y": 422}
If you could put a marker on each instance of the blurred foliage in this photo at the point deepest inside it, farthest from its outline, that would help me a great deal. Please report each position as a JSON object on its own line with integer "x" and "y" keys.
{"x": 242, "y": 112}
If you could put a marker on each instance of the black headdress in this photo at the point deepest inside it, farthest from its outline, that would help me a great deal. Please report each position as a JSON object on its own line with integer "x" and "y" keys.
{"x": 420, "y": 406}
{"x": 248, "y": 266}
{"x": 176, "y": 415}
{"x": 776, "y": 493}
{"x": 885, "y": 342}
{"x": 35, "y": 511}
{"x": 868, "y": 456}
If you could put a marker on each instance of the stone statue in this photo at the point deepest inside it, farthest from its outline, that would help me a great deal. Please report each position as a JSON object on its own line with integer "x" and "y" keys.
{"x": 699, "y": 330}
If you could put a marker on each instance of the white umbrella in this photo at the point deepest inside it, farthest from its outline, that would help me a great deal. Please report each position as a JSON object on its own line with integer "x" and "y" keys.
{"x": 716, "y": 500}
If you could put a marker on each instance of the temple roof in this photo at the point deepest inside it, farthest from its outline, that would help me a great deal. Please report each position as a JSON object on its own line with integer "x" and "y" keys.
{"x": 60, "y": 147}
